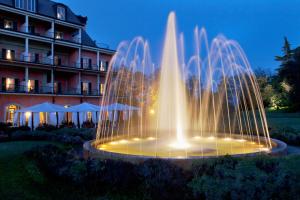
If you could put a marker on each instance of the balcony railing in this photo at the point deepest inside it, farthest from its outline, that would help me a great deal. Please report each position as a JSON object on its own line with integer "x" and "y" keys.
{"x": 23, "y": 89}
{"x": 47, "y": 34}
{"x": 22, "y": 57}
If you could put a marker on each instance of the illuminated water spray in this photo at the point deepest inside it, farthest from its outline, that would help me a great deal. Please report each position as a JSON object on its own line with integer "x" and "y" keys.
{"x": 172, "y": 108}
{"x": 206, "y": 105}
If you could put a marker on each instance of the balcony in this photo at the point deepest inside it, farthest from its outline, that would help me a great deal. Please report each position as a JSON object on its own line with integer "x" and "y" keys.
{"x": 45, "y": 90}
{"x": 17, "y": 56}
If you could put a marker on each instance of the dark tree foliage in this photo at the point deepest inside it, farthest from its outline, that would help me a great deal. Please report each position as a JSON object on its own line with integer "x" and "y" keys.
{"x": 289, "y": 74}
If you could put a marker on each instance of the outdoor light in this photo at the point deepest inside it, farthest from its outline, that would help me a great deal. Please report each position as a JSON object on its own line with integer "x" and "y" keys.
{"x": 27, "y": 114}
{"x": 152, "y": 111}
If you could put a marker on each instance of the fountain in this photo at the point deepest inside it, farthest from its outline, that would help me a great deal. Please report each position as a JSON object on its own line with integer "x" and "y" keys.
{"x": 208, "y": 106}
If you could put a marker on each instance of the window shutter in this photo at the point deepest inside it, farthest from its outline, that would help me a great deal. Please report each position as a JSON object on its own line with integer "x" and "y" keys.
{"x": 3, "y": 53}
{"x": 17, "y": 85}
{"x": 3, "y": 84}
{"x": 36, "y": 86}
{"x": 106, "y": 66}
{"x": 90, "y": 88}
{"x": 13, "y": 54}
{"x": 59, "y": 89}
{"x": 81, "y": 88}
{"x": 1, "y": 23}
{"x": 90, "y": 63}
{"x": 15, "y": 26}
{"x": 36, "y": 58}
{"x": 81, "y": 62}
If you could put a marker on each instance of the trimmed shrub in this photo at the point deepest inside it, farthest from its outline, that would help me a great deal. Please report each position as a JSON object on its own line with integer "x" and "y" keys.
{"x": 46, "y": 127}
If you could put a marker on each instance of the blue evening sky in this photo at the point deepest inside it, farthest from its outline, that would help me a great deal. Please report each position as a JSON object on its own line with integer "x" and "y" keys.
{"x": 258, "y": 25}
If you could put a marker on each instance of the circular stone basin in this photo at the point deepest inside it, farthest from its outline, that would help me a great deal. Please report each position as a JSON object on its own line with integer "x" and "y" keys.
{"x": 194, "y": 147}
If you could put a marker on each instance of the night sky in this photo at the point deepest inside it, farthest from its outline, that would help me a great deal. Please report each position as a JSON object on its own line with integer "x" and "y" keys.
{"x": 258, "y": 25}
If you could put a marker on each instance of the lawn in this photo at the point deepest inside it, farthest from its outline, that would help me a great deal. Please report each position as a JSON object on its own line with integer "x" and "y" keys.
{"x": 279, "y": 120}
{"x": 21, "y": 179}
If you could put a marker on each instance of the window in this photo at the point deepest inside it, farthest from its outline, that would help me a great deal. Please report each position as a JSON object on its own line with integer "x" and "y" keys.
{"x": 8, "y": 24}
{"x": 85, "y": 87}
{"x": 61, "y": 13}
{"x": 101, "y": 88}
{"x": 10, "y": 84}
{"x": 10, "y": 113}
{"x": 103, "y": 66}
{"x": 9, "y": 54}
{"x": 59, "y": 35}
{"x": 31, "y": 85}
{"x": 29, "y": 5}
{"x": 89, "y": 116}
{"x": 20, "y": 4}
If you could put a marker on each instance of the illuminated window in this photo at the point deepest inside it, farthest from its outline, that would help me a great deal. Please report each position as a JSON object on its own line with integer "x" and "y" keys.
{"x": 9, "y": 54}
{"x": 10, "y": 113}
{"x": 89, "y": 116}
{"x": 59, "y": 35}
{"x": 43, "y": 118}
{"x": 85, "y": 87}
{"x": 101, "y": 88}
{"x": 61, "y": 13}
{"x": 8, "y": 24}
{"x": 27, "y": 116}
{"x": 104, "y": 65}
{"x": 10, "y": 84}
{"x": 31, "y": 85}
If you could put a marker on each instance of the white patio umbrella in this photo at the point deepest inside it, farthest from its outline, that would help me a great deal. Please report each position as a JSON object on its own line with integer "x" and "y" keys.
{"x": 79, "y": 112}
{"x": 55, "y": 112}
{"x": 114, "y": 108}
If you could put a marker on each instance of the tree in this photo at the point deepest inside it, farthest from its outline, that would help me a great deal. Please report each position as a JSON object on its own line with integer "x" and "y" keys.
{"x": 288, "y": 80}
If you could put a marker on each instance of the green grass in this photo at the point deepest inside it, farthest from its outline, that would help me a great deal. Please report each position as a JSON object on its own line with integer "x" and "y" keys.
{"x": 21, "y": 178}
{"x": 279, "y": 120}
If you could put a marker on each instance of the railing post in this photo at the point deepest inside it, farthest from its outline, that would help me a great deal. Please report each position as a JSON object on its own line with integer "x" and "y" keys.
{"x": 26, "y": 79}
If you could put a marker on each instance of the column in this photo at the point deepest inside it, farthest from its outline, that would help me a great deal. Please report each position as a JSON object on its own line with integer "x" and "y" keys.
{"x": 52, "y": 30}
{"x": 52, "y": 81}
{"x": 26, "y": 24}
{"x": 26, "y": 53}
{"x": 98, "y": 84}
{"x": 52, "y": 54}
{"x": 79, "y": 58}
{"x": 26, "y": 80}
{"x": 79, "y": 83}
{"x": 98, "y": 60}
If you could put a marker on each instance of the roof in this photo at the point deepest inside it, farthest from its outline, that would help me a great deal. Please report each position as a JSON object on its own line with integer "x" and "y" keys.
{"x": 48, "y": 8}
{"x": 44, "y": 107}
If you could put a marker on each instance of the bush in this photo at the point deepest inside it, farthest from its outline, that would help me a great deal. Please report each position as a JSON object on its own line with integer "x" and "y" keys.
{"x": 287, "y": 135}
{"x": 66, "y": 124}
{"x": 46, "y": 127}
{"x": 162, "y": 180}
{"x": 88, "y": 124}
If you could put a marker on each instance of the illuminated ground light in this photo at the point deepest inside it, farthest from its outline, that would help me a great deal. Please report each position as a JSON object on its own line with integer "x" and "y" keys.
{"x": 227, "y": 139}
{"x": 113, "y": 143}
{"x": 264, "y": 149}
{"x": 136, "y": 139}
{"x": 180, "y": 145}
{"x": 211, "y": 138}
{"x": 151, "y": 138}
{"x": 197, "y": 137}
{"x": 123, "y": 142}
{"x": 241, "y": 140}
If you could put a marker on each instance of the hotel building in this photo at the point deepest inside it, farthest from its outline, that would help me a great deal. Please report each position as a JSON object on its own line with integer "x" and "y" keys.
{"x": 47, "y": 56}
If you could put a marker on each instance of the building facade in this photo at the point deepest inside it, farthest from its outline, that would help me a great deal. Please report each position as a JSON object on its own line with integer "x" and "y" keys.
{"x": 47, "y": 56}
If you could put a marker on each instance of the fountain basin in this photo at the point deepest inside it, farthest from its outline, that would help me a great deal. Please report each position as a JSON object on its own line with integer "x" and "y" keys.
{"x": 140, "y": 149}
